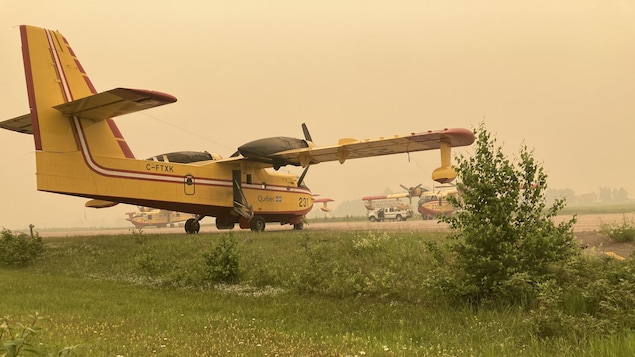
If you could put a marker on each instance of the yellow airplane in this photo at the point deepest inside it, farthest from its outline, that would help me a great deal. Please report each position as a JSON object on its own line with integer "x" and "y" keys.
{"x": 434, "y": 203}
{"x": 393, "y": 199}
{"x": 79, "y": 150}
{"x": 160, "y": 218}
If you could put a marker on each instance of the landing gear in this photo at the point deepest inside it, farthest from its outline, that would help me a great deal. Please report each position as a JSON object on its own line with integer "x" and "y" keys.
{"x": 298, "y": 226}
{"x": 192, "y": 225}
{"x": 257, "y": 224}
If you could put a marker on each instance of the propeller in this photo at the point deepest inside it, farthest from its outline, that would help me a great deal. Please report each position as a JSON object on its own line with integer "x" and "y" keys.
{"x": 307, "y": 137}
{"x": 413, "y": 191}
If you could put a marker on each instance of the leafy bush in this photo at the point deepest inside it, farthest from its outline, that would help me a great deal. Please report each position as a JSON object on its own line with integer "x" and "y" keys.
{"x": 222, "y": 263}
{"x": 588, "y": 296}
{"x": 18, "y": 338}
{"x": 19, "y": 249}
{"x": 624, "y": 232}
{"x": 506, "y": 240}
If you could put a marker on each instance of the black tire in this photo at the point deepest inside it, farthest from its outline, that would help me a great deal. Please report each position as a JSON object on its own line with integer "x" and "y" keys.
{"x": 372, "y": 218}
{"x": 192, "y": 226}
{"x": 298, "y": 226}
{"x": 257, "y": 224}
{"x": 398, "y": 218}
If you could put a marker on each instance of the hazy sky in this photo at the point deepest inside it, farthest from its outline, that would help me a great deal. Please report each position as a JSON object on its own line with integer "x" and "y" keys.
{"x": 556, "y": 75}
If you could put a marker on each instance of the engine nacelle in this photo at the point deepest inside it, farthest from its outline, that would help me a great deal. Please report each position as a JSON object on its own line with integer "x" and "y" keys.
{"x": 268, "y": 146}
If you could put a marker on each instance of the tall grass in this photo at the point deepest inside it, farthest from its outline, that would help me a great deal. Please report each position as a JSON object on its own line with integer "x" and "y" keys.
{"x": 621, "y": 232}
{"x": 298, "y": 294}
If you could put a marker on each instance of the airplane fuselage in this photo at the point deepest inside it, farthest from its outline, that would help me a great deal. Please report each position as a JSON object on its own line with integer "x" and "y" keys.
{"x": 202, "y": 188}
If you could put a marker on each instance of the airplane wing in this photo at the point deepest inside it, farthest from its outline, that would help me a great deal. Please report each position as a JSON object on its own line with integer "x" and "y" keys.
{"x": 355, "y": 149}
{"x": 101, "y": 106}
{"x": 115, "y": 102}
{"x": 21, "y": 124}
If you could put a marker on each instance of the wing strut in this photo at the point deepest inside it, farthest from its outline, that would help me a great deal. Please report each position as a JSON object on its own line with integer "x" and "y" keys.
{"x": 241, "y": 206}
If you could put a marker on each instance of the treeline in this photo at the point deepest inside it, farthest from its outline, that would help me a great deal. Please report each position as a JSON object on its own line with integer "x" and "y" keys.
{"x": 605, "y": 196}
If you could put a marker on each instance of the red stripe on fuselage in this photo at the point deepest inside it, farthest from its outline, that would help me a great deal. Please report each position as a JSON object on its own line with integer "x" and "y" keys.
{"x": 122, "y": 142}
{"x": 28, "y": 74}
{"x": 67, "y": 89}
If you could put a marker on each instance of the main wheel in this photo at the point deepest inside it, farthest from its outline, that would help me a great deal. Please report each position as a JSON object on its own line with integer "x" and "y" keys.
{"x": 257, "y": 224}
{"x": 192, "y": 226}
{"x": 399, "y": 217}
{"x": 298, "y": 226}
{"x": 372, "y": 218}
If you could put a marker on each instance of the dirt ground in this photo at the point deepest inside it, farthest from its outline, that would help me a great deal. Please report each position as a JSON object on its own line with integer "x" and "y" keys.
{"x": 586, "y": 229}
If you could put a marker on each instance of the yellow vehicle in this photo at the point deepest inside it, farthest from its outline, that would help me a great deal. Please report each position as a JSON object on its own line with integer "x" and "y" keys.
{"x": 80, "y": 151}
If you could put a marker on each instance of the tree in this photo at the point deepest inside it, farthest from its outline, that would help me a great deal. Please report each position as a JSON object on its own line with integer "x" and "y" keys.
{"x": 606, "y": 195}
{"x": 506, "y": 240}
{"x": 620, "y": 195}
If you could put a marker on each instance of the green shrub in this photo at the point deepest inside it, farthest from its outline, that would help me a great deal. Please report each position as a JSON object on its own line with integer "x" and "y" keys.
{"x": 589, "y": 296}
{"x": 506, "y": 240}
{"x": 222, "y": 263}
{"x": 624, "y": 232}
{"x": 19, "y": 249}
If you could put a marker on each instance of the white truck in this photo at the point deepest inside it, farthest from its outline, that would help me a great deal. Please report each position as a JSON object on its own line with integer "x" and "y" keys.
{"x": 390, "y": 213}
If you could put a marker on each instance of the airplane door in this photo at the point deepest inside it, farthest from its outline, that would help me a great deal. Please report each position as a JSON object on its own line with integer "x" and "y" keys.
{"x": 189, "y": 185}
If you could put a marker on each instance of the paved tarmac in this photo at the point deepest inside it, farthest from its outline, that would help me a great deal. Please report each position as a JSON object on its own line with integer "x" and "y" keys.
{"x": 585, "y": 223}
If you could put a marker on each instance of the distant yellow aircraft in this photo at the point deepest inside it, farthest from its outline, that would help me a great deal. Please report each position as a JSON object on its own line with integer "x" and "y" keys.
{"x": 393, "y": 199}
{"x": 434, "y": 203}
{"x": 150, "y": 217}
{"x": 79, "y": 150}
{"x": 325, "y": 203}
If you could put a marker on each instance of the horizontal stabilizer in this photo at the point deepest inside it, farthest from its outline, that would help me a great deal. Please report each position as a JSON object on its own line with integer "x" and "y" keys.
{"x": 100, "y": 204}
{"x": 21, "y": 124}
{"x": 115, "y": 102}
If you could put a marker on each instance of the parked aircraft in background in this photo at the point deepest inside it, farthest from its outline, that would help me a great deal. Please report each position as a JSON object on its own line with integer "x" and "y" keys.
{"x": 324, "y": 202}
{"x": 434, "y": 203}
{"x": 149, "y": 217}
{"x": 80, "y": 151}
{"x": 393, "y": 199}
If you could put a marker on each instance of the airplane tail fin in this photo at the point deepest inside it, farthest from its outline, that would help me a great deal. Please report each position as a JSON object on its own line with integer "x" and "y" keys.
{"x": 70, "y": 122}
{"x": 54, "y": 76}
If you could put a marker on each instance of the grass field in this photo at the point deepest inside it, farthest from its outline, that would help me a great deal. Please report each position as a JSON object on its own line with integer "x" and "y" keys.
{"x": 298, "y": 294}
